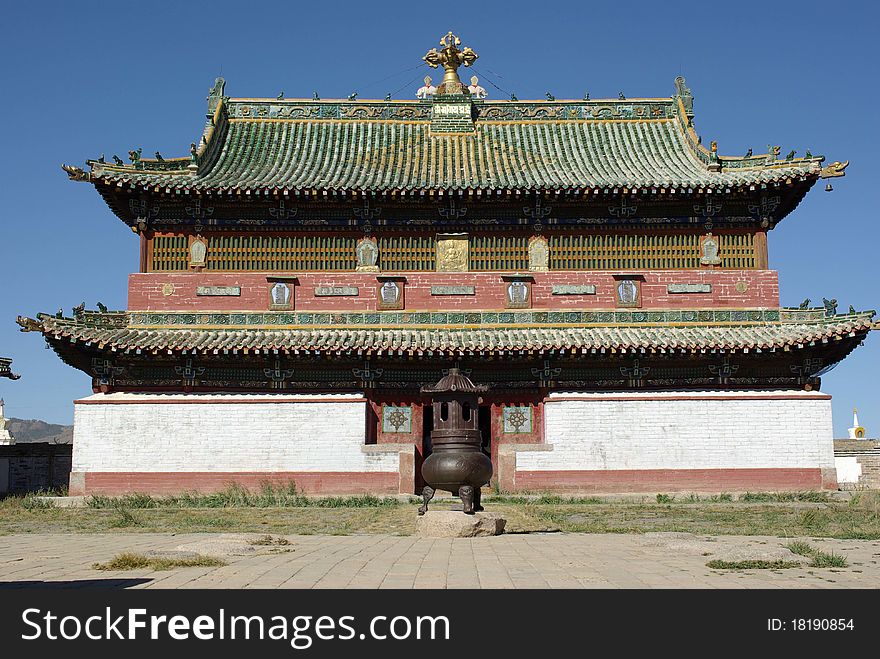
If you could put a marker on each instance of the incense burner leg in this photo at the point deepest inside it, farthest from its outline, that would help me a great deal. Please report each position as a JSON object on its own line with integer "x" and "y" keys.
{"x": 427, "y": 495}
{"x": 466, "y": 492}
{"x": 478, "y": 496}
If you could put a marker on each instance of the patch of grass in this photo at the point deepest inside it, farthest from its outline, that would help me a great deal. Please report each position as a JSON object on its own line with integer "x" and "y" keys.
{"x": 753, "y": 564}
{"x": 269, "y": 541}
{"x": 33, "y": 502}
{"x": 131, "y": 561}
{"x": 665, "y": 498}
{"x": 136, "y": 500}
{"x": 508, "y": 499}
{"x": 821, "y": 559}
{"x": 123, "y": 518}
{"x": 282, "y": 511}
{"x": 236, "y": 496}
{"x": 540, "y": 500}
{"x": 784, "y": 497}
{"x": 800, "y": 548}
{"x": 813, "y": 520}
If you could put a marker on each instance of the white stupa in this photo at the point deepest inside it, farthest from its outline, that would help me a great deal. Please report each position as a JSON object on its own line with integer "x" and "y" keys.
{"x": 5, "y": 436}
{"x": 857, "y": 431}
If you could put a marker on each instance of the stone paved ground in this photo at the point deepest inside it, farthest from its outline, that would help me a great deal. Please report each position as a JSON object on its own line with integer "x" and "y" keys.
{"x": 384, "y": 561}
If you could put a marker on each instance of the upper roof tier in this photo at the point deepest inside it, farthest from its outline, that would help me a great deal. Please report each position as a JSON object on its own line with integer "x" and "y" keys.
{"x": 453, "y": 140}
{"x": 259, "y": 144}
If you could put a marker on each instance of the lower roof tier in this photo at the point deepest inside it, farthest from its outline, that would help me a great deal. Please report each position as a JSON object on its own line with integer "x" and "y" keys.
{"x": 492, "y": 333}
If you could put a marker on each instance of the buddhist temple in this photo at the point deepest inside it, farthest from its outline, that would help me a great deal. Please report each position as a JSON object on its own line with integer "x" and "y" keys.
{"x": 312, "y": 263}
{"x": 6, "y": 369}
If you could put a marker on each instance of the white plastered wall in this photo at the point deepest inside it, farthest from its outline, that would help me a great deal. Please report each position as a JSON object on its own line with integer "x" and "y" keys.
{"x": 224, "y": 433}
{"x": 684, "y": 430}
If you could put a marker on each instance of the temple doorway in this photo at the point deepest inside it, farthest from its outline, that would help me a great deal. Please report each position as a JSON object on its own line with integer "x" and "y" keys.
{"x": 485, "y": 425}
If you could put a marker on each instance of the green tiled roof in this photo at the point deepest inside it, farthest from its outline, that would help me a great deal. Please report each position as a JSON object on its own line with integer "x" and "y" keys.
{"x": 798, "y": 329}
{"x": 375, "y": 146}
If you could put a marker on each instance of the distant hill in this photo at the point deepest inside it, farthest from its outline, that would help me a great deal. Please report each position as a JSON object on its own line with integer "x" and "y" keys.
{"x": 34, "y": 430}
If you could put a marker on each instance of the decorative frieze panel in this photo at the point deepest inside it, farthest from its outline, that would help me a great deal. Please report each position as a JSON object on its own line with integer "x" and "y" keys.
{"x": 574, "y": 111}
{"x": 452, "y": 290}
{"x": 573, "y": 289}
{"x": 508, "y": 111}
{"x": 501, "y": 251}
{"x": 296, "y": 109}
{"x": 336, "y": 291}
{"x": 525, "y": 317}
{"x": 689, "y": 288}
{"x": 218, "y": 291}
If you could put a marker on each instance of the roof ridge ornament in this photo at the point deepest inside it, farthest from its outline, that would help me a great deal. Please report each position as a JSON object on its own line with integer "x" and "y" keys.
{"x": 450, "y": 57}
{"x": 215, "y": 94}
{"x": 683, "y": 92}
{"x": 834, "y": 170}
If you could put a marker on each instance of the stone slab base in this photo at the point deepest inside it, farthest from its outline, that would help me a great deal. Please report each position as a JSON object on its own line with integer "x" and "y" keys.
{"x": 455, "y": 524}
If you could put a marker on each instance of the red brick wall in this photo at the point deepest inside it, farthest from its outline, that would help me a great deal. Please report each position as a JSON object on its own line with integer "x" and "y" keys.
{"x": 415, "y": 436}
{"x": 146, "y": 290}
{"x": 499, "y": 438}
{"x": 673, "y": 480}
{"x": 115, "y": 483}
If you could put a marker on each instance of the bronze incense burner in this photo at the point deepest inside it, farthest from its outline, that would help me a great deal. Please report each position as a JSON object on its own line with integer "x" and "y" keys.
{"x": 457, "y": 463}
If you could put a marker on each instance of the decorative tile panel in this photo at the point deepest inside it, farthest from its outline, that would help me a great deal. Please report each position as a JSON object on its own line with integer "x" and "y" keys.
{"x": 573, "y": 289}
{"x": 396, "y": 419}
{"x": 452, "y": 290}
{"x": 689, "y": 288}
{"x": 336, "y": 291}
{"x": 516, "y": 419}
{"x": 220, "y": 291}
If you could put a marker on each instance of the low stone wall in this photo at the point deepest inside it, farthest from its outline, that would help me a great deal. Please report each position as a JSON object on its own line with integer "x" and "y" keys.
{"x": 858, "y": 463}
{"x": 686, "y": 441}
{"x": 34, "y": 467}
{"x": 168, "y": 443}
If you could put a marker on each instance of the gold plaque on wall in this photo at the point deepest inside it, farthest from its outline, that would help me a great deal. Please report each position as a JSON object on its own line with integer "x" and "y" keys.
{"x": 452, "y": 252}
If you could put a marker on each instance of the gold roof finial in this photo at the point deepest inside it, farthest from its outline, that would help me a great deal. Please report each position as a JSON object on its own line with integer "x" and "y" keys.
{"x": 450, "y": 57}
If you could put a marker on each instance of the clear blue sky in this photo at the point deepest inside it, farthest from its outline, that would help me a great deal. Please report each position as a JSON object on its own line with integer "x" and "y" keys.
{"x": 84, "y": 78}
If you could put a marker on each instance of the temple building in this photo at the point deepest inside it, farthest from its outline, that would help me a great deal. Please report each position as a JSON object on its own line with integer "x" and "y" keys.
{"x": 6, "y": 369}
{"x": 313, "y": 262}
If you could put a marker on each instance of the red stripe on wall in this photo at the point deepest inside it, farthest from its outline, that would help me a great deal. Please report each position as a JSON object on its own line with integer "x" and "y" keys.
{"x": 114, "y": 483}
{"x": 673, "y": 480}
{"x": 601, "y": 398}
{"x": 195, "y": 400}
